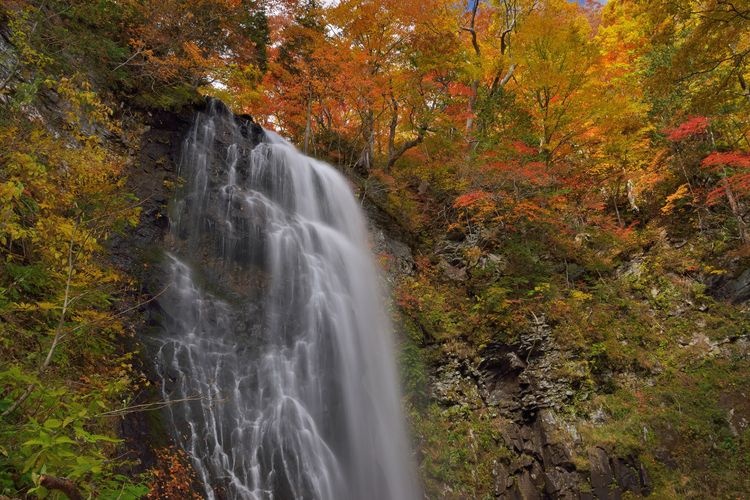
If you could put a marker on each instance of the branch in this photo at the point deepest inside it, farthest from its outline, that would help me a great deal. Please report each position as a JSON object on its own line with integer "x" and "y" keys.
{"x": 156, "y": 405}
{"x": 472, "y": 27}
{"x": 498, "y": 83}
{"x": 67, "y": 486}
{"x": 408, "y": 145}
{"x": 117, "y": 314}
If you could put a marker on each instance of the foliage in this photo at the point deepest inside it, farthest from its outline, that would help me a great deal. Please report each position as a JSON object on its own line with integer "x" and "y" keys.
{"x": 459, "y": 447}
{"x": 62, "y": 192}
{"x": 588, "y": 163}
{"x": 173, "y": 477}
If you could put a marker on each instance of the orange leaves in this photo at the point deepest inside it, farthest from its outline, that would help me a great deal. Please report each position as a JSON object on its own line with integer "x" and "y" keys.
{"x": 375, "y": 75}
{"x": 738, "y": 183}
{"x": 535, "y": 173}
{"x": 173, "y": 476}
{"x": 471, "y": 199}
{"x": 175, "y": 42}
{"x": 479, "y": 206}
{"x": 672, "y": 200}
{"x": 458, "y": 89}
{"x": 695, "y": 125}
{"x": 530, "y": 211}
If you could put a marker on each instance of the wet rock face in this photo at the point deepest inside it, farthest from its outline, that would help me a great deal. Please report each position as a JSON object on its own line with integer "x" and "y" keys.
{"x": 151, "y": 174}
{"x": 151, "y": 177}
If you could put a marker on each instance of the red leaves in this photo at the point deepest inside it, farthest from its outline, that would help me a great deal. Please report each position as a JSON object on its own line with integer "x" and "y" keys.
{"x": 695, "y": 125}
{"x": 458, "y": 89}
{"x": 739, "y": 184}
{"x": 469, "y": 199}
{"x": 730, "y": 159}
{"x": 737, "y": 181}
{"x": 523, "y": 149}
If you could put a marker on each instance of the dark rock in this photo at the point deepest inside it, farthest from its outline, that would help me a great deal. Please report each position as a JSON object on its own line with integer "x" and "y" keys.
{"x": 735, "y": 289}
{"x": 611, "y": 477}
{"x": 511, "y": 436}
{"x": 627, "y": 477}
{"x": 559, "y": 483}
{"x": 500, "y": 370}
{"x": 503, "y": 479}
{"x": 557, "y": 454}
{"x": 452, "y": 273}
{"x": 525, "y": 488}
{"x": 646, "y": 485}
{"x": 601, "y": 473}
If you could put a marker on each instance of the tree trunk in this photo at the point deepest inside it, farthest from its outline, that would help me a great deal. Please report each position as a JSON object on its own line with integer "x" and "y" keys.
{"x": 308, "y": 125}
{"x": 366, "y": 159}
{"x": 475, "y": 83}
{"x": 736, "y": 210}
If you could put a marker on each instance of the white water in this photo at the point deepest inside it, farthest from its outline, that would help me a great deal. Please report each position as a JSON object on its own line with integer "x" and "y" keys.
{"x": 276, "y": 350}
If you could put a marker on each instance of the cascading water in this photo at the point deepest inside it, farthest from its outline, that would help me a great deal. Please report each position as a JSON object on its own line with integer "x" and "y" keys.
{"x": 276, "y": 352}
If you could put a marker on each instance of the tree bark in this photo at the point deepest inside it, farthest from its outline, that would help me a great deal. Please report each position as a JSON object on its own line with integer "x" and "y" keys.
{"x": 365, "y": 160}
{"x": 308, "y": 125}
{"x": 397, "y": 153}
{"x": 475, "y": 83}
{"x": 736, "y": 210}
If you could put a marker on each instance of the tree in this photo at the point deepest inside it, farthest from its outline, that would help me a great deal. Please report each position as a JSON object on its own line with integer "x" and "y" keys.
{"x": 555, "y": 57}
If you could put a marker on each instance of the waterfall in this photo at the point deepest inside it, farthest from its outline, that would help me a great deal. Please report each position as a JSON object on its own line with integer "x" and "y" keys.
{"x": 275, "y": 351}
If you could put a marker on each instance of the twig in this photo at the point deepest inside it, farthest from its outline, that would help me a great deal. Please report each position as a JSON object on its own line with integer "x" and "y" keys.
{"x": 156, "y": 405}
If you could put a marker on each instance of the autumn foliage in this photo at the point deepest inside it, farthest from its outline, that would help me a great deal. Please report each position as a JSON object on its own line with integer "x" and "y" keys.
{"x": 694, "y": 126}
{"x": 531, "y": 151}
{"x": 173, "y": 476}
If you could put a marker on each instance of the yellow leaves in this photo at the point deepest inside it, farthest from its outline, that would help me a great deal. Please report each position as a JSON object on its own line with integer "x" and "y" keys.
{"x": 10, "y": 192}
{"x": 714, "y": 271}
{"x": 47, "y": 306}
{"x": 580, "y": 296}
{"x": 86, "y": 107}
{"x": 673, "y": 199}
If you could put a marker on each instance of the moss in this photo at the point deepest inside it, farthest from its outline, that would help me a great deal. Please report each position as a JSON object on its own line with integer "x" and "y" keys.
{"x": 171, "y": 98}
{"x": 458, "y": 448}
{"x": 679, "y": 425}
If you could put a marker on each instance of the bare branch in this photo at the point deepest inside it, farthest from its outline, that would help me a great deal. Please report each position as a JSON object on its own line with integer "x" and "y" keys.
{"x": 62, "y": 484}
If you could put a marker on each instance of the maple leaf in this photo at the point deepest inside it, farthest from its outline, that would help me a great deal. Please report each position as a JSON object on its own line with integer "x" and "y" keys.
{"x": 695, "y": 125}
{"x": 730, "y": 159}
{"x": 523, "y": 149}
{"x": 469, "y": 199}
